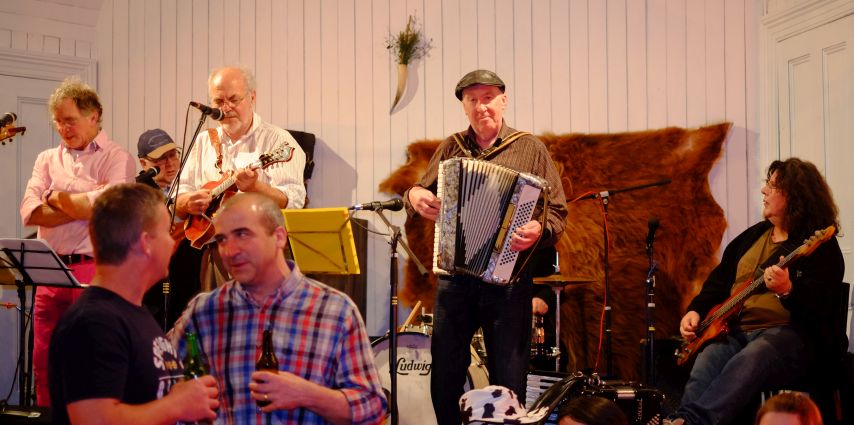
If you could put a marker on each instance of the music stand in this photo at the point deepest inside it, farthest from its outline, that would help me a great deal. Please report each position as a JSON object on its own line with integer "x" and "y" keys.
{"x": 322, "y": 240}
{"x": 32, "y": 263}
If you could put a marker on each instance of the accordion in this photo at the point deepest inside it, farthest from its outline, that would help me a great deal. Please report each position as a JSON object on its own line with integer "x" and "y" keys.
{"x": 482, "y": 205}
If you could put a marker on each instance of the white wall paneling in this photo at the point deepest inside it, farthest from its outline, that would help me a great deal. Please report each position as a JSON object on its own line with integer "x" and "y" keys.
{"x": 807, "y": 59}
{"x": 322, "y": 66}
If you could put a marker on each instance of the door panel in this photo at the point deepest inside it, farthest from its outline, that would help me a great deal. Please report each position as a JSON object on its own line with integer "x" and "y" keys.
{"x": 816, "y": 100}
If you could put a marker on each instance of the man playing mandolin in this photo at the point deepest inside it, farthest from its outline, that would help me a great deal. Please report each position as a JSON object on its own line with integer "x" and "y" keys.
{"x": 783, "y": 328}
{"x": 233, "y": 151}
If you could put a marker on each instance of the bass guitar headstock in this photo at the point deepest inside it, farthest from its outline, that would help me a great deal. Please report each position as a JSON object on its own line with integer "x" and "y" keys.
{"x": 820, "y": 237}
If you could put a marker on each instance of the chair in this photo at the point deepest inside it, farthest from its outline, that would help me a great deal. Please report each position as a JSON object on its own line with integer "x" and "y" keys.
{"x": 830, "y": 386}
{"x": 306, "y": 142}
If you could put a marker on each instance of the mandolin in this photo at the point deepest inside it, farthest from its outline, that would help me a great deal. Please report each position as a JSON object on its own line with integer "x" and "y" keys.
{"x": 198, "y": 228}
{"x": 716, "y": 322}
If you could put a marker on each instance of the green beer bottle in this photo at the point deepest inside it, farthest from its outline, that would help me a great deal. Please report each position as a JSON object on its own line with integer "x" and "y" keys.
{"x": 194, "y": 366}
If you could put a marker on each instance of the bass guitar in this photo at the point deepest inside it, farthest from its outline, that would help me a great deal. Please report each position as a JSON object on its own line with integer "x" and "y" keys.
{"x": 716, "y": 322}
{"x": 198, "y": 228}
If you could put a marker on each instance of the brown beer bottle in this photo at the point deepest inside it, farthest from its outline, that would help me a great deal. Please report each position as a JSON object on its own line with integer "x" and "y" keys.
{"x": 267, "y": 360}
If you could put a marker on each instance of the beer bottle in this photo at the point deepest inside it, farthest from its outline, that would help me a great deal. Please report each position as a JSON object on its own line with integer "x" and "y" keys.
{"x": 267, "y": 360}
{"x": 538, "y": 337}
{"x": 194, "y": 366}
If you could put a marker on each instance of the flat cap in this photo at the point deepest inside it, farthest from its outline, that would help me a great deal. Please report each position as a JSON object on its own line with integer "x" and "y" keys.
{"x": 478, "y": 76}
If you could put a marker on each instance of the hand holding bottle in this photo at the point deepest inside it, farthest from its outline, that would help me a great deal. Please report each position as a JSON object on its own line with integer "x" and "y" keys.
{"x": 267, "y": 362}
{"x": 196, "y": 373}
{"x": 197, "y": 399}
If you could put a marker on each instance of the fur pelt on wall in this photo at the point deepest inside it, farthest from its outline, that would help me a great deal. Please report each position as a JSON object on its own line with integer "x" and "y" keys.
{"x": 692, "y": 225}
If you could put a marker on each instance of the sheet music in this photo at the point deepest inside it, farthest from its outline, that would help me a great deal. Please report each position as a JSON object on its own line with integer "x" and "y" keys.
{"x": 39, "y": 261}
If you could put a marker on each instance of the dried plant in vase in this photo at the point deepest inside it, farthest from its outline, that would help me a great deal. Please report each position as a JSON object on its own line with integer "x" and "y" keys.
{"x": 408, "y": 45}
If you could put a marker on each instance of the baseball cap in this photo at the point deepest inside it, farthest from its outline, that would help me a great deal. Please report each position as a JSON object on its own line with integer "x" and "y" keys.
{"x": 154, "y": 143}
{"x": 478, "y": 76}
{"x": 498, "y": 405}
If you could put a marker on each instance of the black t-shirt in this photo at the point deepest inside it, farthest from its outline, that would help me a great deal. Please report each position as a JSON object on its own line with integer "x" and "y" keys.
{"x": 106, "y": 347}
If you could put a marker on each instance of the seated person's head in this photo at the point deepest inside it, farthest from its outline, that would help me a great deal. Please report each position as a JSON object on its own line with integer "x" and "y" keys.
{"x": 591, "y": 411}
{"x": 789, "y": 409}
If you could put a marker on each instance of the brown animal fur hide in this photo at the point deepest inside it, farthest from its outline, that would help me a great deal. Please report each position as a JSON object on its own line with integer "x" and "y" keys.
{"x": 692, "y": 225}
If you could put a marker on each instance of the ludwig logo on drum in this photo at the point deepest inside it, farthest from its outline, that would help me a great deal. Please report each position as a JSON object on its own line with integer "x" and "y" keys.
{"x": 404, "y": 367}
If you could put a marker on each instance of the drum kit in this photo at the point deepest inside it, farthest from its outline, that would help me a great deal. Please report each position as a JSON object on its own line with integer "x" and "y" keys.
{"x": 414, "y": 365}
{"x": 414, "y": 361}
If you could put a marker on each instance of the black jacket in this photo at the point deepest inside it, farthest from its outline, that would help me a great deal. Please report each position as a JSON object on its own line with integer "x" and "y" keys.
{"x": 816, "y": 281}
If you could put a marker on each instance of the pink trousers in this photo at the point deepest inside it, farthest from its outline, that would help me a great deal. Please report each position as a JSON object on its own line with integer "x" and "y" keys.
{"x": 50, "y": 304}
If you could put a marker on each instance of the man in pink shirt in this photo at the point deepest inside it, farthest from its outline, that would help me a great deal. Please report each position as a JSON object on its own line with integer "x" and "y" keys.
{"x": 59, "y": 198}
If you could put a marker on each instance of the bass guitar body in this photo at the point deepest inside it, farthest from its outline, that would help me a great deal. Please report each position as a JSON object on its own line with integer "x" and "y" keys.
{"x": 717, "y": 327}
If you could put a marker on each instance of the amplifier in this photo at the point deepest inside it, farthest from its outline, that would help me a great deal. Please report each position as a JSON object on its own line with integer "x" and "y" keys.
{"x": 642, "y": 405}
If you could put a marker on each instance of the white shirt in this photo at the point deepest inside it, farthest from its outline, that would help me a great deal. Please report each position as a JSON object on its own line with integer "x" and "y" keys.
{"x": 262, "y": 138}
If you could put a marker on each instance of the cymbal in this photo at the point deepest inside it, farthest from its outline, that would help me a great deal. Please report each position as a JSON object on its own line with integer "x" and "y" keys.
{"x": 557, "y": 280}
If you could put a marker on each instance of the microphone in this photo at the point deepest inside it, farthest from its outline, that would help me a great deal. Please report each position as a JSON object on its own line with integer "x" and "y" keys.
{"x": 214, "y": 113}
{"x": 653, "y": 226}
{"x": 147, "y": 174}
{"x": 8, "y": 118}
{"x": 395, "y": 204}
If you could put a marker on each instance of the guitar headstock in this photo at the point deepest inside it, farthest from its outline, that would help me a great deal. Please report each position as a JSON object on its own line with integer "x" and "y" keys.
{"x": 8, "y": 132}
{"x": 283, "y": 153}
{"x": 815, "y": 240}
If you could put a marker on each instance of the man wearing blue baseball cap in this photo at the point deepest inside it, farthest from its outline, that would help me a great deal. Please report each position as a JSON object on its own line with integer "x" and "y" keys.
{"x": 156, "y": 149}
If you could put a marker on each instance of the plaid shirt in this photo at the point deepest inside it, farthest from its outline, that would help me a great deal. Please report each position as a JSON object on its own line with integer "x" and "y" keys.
{"x": 318, "y": 335}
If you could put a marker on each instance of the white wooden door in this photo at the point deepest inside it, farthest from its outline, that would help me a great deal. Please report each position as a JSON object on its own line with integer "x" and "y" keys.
{"x": 816, "y": 113}
{"x": 27, "y": 98}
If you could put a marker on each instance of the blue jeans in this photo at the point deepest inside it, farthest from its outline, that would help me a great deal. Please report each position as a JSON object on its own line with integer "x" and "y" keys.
{"x": 730, "y": 373}
{"x": 463, "y": 304}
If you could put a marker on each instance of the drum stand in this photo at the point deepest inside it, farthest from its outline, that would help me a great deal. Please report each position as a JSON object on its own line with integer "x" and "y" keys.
{"x": 557, "y": 282}
{"x": 392, "y": 308}
{"x": 604, "y": 197}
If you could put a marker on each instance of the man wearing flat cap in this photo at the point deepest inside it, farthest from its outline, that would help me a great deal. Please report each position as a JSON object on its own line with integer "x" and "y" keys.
{"x": 156, "y": 149}
{"x": 465, "y": 303}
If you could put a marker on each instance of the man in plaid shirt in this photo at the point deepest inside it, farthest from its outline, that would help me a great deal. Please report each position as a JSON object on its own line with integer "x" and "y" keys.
{"x": 326, "y": 369}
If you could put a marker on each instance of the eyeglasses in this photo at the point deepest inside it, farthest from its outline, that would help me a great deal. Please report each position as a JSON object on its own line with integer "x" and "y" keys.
{"x": 69, "y": 122}
{"x": 232, "y": 101}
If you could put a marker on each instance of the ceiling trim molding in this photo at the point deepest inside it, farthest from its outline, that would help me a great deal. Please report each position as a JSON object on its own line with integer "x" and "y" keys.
{"x": 20, "y": 63}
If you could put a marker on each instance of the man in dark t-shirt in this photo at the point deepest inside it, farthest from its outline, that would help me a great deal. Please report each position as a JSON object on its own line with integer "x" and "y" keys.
{"x": 109, "y": 360}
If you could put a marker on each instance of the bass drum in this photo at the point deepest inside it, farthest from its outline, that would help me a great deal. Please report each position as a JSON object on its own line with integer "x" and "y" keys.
{"x": 414, "y": 366}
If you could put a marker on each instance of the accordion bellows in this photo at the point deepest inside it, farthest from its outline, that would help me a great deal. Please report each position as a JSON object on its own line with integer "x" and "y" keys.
{"x": 482, "y": 205}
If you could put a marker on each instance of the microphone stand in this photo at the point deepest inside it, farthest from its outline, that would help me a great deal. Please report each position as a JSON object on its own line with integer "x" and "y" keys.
{"x": 172, "y": 206}
{"x": 649, "y": 311}
{"x": 393, "y": 278}
{"x": 172, "y": 196}
{"x": 604, "y": 197}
